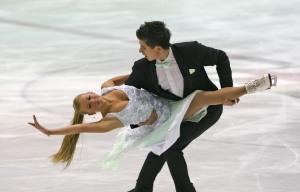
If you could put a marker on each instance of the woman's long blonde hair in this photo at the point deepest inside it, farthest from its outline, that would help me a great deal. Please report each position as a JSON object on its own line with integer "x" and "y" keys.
{"x": 68, "y": 146}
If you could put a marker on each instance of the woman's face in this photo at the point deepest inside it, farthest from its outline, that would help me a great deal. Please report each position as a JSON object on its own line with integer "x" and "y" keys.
{"x": 89, "y": 103}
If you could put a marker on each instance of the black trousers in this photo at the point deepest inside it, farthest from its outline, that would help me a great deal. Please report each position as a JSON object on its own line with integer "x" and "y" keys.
{"x": 174, "y": 155}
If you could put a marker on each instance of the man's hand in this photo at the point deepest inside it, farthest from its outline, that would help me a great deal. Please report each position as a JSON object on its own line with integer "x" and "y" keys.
{"x": 153, "y": 117}
{"x": 229, "y": 102}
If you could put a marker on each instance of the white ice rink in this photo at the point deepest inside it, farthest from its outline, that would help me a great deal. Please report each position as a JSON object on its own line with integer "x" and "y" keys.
{"x": 52, "y": 50}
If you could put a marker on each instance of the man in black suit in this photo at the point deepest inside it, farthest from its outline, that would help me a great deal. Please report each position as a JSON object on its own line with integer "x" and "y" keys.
{"x": 174, "y": 71}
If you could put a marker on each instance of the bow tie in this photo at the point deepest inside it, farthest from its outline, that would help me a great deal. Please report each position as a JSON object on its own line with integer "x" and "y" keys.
{"x": 163, "y": 64}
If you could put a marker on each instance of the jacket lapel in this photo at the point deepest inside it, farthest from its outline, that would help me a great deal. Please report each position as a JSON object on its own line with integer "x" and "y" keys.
{"x": 180, "y": 61}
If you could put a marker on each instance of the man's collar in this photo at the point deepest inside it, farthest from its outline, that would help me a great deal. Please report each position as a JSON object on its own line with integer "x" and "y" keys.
{"x": 168, "y": 57}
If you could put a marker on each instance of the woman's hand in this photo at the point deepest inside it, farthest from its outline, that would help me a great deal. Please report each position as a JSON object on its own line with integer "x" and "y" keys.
{"x": 39, "y": 127}
{"x": 108, "y": 83}
{"x": 115, "y": 81}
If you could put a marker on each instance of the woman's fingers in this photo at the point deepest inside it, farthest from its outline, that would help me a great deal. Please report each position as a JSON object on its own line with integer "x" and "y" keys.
{"x": 38, "y": 127}
{"x": 32, "y": 124}
{"x": 35, "y": 124}
{"x": 35, "y": 121}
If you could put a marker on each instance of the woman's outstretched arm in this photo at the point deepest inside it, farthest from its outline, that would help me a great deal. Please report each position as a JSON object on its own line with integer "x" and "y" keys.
{"x": 104, "y": 125}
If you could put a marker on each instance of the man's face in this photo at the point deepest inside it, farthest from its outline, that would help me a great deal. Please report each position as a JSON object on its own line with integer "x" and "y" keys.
{"x": 147, "y": 51}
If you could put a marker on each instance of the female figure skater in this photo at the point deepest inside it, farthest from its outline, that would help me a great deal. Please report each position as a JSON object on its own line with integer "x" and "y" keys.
{"x": 158, "y": 119}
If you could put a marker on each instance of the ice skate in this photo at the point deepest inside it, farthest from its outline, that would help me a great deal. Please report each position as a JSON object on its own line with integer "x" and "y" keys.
{"x": 264, "y": 83}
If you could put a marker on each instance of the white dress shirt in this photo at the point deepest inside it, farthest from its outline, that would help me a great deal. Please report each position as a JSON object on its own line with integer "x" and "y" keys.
{"x": 170, "y": 77}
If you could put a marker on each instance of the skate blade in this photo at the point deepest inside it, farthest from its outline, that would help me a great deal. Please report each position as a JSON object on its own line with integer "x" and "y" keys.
{"x": 273, "y": 79}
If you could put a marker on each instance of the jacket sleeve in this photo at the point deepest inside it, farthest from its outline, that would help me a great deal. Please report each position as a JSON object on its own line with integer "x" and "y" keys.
{"x": 136, "y": 77}
{"x": 214, "y": 57}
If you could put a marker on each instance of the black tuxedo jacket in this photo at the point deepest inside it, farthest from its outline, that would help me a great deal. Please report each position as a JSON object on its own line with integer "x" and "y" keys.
{"x": 189, "y": 55}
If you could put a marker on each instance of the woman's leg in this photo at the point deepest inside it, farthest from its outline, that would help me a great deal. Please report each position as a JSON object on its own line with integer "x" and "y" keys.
{"x": 203, "y": 99}
{"x": 220, "y": 96}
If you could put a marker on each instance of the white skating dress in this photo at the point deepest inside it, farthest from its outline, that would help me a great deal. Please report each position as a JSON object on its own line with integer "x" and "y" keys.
{"x": 160, "y": 135}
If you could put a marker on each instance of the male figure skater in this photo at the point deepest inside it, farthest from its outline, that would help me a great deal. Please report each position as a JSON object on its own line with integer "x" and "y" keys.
{"x": 174, "y": 71}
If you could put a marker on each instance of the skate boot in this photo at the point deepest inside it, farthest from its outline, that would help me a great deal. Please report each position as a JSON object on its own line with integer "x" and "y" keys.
{"x": 264, "y": 83}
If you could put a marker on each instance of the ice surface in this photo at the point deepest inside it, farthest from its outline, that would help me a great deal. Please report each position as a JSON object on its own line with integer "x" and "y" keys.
{"x": 53, "y": 50}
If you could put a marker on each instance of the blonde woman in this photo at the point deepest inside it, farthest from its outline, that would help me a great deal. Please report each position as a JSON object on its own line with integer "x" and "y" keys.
{"x": 158, "y": 119}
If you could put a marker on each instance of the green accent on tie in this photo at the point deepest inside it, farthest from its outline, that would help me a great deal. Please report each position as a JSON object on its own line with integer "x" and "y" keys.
{"x": 163, "y": 64}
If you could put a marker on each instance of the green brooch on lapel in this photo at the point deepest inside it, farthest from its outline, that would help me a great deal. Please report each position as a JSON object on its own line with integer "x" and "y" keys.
{"x": 192, "y": 71}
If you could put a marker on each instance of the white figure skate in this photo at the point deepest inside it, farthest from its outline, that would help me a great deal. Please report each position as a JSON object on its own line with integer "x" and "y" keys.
{"x": 264, "y": 83}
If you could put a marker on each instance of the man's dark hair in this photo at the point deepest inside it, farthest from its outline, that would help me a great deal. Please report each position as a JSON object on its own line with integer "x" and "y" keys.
{"x": 154, "y": 33}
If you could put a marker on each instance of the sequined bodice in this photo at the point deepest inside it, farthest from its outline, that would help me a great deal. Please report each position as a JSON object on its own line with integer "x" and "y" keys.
{"x": 140, "y": 106}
